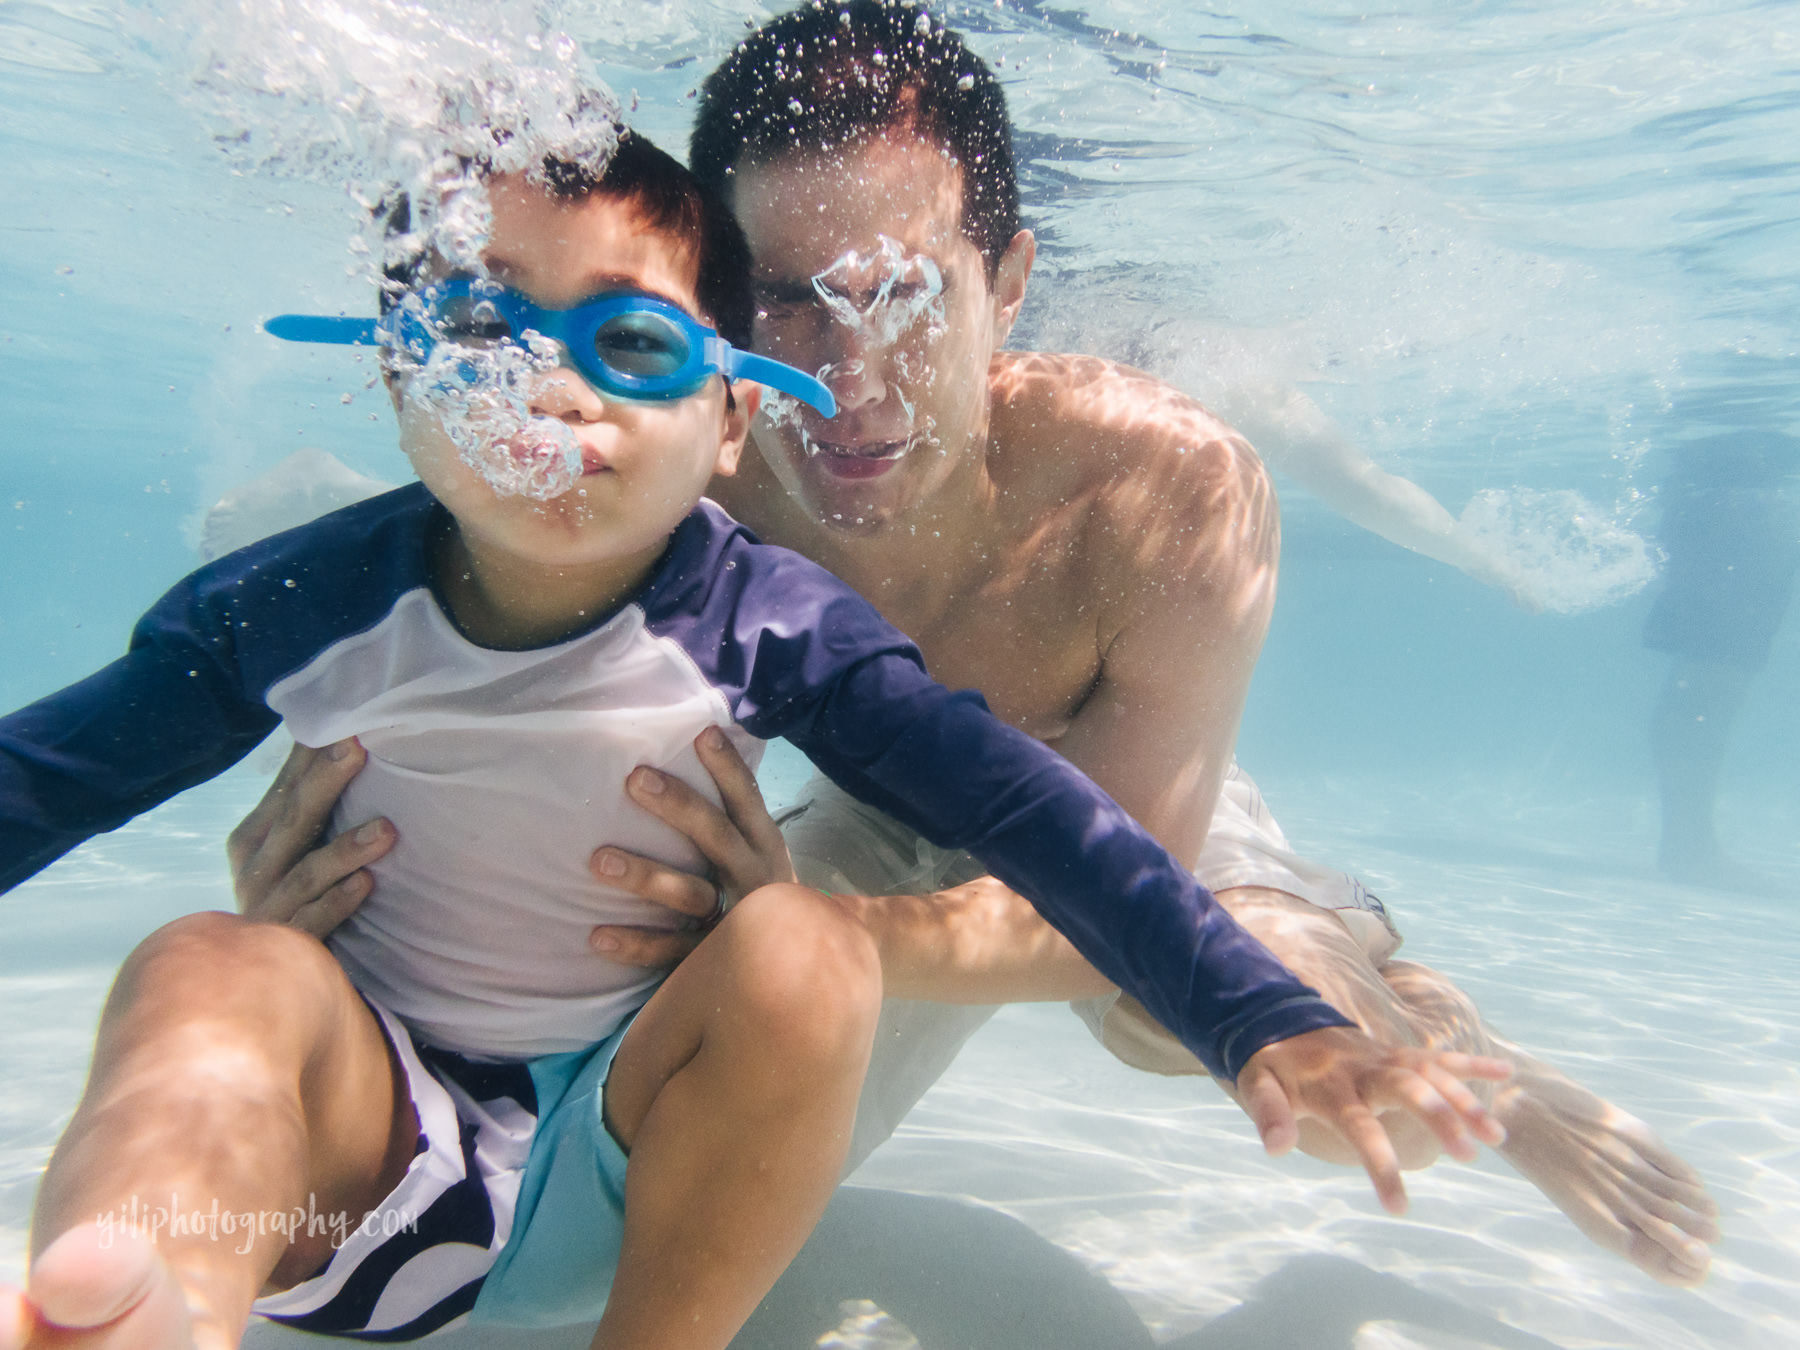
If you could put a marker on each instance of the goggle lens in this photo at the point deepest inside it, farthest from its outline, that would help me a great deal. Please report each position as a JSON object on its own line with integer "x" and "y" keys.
{"x": 471, "y": 320}
{"x": 641, "y": 346}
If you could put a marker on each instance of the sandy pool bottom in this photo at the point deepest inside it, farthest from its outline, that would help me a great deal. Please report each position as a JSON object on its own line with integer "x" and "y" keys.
{"x": 1676, "y": 1003}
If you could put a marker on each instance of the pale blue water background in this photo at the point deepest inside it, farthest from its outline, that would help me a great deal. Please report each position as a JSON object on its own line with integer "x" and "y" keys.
{"x": 1508, "y": 246}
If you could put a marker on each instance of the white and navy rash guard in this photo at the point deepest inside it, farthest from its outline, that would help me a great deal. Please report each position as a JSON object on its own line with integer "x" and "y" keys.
{"x": 504, "y": 770}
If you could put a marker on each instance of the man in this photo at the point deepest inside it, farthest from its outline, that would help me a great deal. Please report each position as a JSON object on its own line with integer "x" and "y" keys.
{"x": 1090, "y": 549}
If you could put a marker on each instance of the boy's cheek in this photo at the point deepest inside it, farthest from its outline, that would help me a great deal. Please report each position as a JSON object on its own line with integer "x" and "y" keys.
{"x": 427, "y": 447}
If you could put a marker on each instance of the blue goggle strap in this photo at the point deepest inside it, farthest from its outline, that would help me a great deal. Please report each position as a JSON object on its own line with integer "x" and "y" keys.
{"x": 320, "y": 328}
{"x": 735, "y": 365}
{"x": 720, "y": 355}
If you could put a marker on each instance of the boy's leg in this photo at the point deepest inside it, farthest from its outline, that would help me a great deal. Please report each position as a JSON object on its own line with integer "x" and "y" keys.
{"x": 234, "y": 1064}
{"x": 734, "y": 1093}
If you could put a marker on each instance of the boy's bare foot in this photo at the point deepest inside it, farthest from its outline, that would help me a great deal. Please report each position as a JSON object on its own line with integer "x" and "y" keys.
{"x": 1607, "y": 1170}
{"x": 98, "y": 1291}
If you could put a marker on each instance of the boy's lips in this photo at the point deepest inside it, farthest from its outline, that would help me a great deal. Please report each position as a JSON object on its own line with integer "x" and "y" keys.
{"x": 869, "y": 459}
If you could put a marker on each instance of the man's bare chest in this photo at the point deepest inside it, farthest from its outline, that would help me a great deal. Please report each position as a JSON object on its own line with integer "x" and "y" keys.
{"x": 1033, "y": 652}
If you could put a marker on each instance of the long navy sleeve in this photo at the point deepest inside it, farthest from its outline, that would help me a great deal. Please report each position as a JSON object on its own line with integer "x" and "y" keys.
{"x": 800, "y": 655}
{"x": 787, "y": 649}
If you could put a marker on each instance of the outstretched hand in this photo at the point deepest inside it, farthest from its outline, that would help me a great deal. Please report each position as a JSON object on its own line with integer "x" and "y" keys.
{"x": 1345, "y": 1080}
{"x": 282, "y": 871}
{"x": 741, "y": 842}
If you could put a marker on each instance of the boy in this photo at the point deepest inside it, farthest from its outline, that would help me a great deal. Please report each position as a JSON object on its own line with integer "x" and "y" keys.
{"x": 504, "y": 658}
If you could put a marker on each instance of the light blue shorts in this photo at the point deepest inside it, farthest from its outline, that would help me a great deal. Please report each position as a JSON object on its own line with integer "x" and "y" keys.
{"x": 512, "y": 1211}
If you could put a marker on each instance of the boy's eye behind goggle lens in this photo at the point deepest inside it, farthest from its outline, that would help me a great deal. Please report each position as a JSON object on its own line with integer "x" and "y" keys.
{"x": 639, "y": 346}
{"x": 642, "y": 346}
{"x": 471, "y": 322}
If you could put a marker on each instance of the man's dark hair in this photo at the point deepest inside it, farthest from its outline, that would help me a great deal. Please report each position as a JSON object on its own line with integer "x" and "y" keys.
{"x": 830, "y": 71}
{"x": 670, "y": 201}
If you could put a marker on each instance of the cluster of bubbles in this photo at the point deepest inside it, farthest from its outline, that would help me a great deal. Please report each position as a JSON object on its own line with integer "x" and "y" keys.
{"x": 482, "y": 397}
{"x": 391, "y": 97}
{"x": 902, "y": 289}
{"x": 1575, "y": 556}
{"x": 888, "y": 301}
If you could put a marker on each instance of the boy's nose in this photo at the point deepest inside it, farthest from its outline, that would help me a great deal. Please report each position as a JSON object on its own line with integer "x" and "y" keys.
{"x": 562, "y": 393}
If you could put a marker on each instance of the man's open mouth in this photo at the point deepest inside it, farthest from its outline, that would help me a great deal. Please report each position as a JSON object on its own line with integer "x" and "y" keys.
{"x": 864, "y": 460}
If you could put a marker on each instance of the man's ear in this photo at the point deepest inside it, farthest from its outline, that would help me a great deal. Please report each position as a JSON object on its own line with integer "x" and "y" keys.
{"x": 1009, "y": 283}
{"x": 742, "y": 399}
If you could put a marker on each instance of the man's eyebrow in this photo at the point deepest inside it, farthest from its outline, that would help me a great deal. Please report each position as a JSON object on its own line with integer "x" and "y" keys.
{"x": 786, "y": 290}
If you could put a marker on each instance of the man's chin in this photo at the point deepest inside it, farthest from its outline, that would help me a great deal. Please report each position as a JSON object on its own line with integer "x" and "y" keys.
{"x": 851, "y": 505}
{"x": 854, "y": 527}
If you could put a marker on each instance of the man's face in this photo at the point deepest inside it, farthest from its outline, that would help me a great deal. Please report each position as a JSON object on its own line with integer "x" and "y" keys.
{"x": 865, "y": 277}
{"x": 643, "y": 464}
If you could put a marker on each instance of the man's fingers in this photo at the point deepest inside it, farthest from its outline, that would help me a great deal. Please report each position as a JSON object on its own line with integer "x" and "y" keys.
{"x": 306, "y": 805}
{"x": 250, "y": 832}
{"x": 650, "y": 948}
{"x": 738, "y": 789}
{"x": 310, "y": 881}
{"x": 682, "y": 809}
{"x": 333, "y": 907}
{"x": 1269, "y": 1110}
{"x": 682, "y": 892}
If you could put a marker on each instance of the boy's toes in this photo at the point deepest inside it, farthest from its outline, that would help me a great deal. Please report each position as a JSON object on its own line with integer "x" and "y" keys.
{"x": 111, "y": 1284}
{"x": 16, "y": 1320}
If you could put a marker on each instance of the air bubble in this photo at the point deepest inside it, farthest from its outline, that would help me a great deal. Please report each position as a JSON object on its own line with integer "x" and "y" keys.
{"x": 390, "y": 93}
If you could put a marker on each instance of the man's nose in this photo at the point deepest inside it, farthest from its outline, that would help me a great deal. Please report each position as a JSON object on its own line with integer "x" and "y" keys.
{"x": 856, "y": 372}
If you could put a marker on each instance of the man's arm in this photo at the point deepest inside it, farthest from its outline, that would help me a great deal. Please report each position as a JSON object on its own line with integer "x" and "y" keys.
{"x": 1300, "y": 440}
{"x": 1185, "y": 541}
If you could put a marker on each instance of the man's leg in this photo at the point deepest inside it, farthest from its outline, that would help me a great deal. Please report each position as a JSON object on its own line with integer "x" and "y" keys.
{"x": 734, "y": 1094}
{"x": 1605, "y": 1169}
{"x": 235, "y": 1064}
{"x": 844, "y": 847}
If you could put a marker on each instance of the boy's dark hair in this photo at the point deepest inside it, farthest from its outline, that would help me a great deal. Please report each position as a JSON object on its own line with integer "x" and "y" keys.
{"x": 831, "y": 70}
{"x": 669, "y": 199}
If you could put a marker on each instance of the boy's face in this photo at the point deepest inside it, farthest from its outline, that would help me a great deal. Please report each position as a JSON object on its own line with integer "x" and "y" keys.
{"x": 644, "y": 464}
{"x": 864, "y": 275}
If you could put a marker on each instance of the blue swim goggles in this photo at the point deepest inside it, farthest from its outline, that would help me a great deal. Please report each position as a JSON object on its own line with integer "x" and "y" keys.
{"x": 626, "y": 345}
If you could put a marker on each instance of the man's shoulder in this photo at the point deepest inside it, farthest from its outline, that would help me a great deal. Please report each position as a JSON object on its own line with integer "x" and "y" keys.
{"x": 1070, "y": 427}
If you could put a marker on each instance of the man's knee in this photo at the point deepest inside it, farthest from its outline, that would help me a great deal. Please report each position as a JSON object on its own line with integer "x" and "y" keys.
{"x": 1316, "y": 945}
{"x": 806, "y": 971}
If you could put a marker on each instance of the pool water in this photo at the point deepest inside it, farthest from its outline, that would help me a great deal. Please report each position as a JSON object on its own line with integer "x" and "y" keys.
{"x": 1523, "y": 254}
